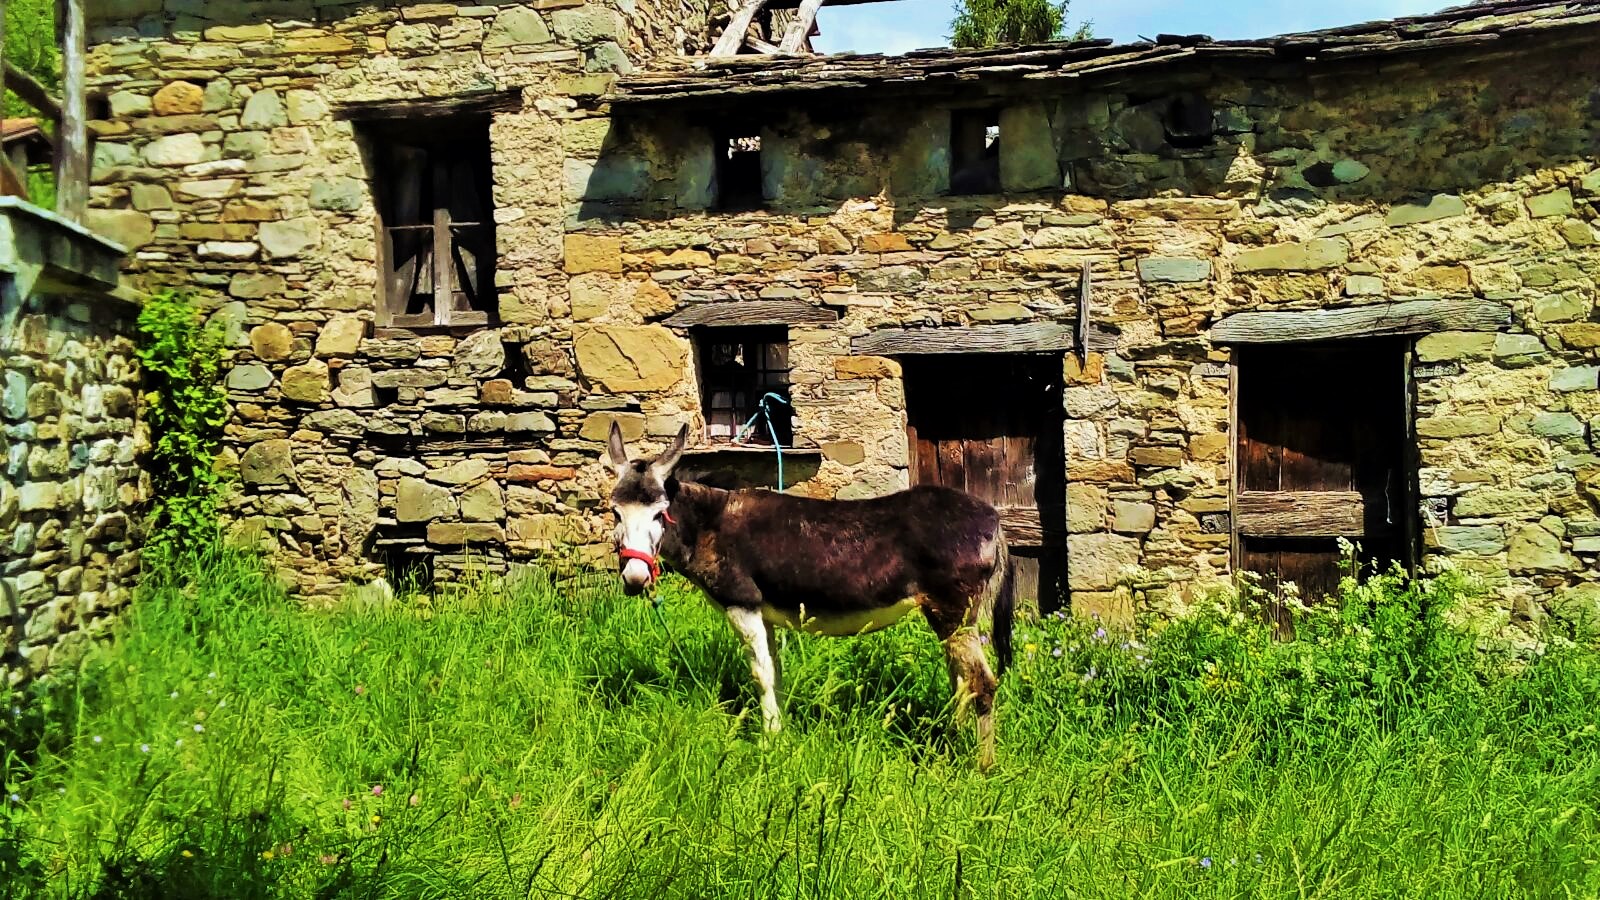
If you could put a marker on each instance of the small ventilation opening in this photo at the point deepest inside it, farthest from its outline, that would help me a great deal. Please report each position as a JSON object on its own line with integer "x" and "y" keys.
{"x": 405, "y": 557}
{"x": 1189, "y": 122}
{"x": 739, "y": 170}
{"x": 975, "y": 151}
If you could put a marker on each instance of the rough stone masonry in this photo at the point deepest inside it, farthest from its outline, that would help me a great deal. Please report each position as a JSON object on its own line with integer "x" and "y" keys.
{"x": 1446, "y": 160}
{"x": 70, "y": 440}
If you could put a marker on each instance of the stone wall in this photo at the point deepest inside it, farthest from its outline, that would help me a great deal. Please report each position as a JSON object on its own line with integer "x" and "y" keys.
{"x": 1465, "y": 180}
{"x": 232, "y": 163}
{"x": 69, "y": 440}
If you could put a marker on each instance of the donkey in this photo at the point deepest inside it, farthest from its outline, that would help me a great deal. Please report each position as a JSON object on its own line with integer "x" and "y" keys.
{"x": 832, "y": 567}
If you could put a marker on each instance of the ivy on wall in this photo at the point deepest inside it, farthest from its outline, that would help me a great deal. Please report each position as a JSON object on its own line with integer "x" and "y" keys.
{"x": 185, "y": 407}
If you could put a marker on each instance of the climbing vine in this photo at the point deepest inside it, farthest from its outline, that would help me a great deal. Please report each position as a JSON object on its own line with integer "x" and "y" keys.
{"x": 185, "y": 407}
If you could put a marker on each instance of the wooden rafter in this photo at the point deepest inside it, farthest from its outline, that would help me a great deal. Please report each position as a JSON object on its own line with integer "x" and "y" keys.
{"x": 733, "y": 38}
{"x": 800, "y": 28}
{"x": 738, "y": 34}
{"x": 32, "y": 92}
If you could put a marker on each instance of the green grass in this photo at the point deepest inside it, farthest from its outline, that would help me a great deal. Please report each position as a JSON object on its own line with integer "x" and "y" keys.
{"x": 538, "y": 742}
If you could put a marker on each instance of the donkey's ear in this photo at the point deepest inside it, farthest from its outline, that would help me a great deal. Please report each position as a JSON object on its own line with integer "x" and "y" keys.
{"x": 616, "y": 449}
{"x": 668, "y": 460}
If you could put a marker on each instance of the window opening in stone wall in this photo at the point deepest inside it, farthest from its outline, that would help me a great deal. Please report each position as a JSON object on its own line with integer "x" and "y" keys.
{"x": 1189, "y": 122}
{"x": 975, "y": 151}
{"x": 739, "y": 170}
{"x": 739, "y": 366}
{"x": 433, "y": 188}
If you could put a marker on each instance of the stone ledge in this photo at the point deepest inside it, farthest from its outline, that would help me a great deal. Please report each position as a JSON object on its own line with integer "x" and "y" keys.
{"x": 40, "y": 248}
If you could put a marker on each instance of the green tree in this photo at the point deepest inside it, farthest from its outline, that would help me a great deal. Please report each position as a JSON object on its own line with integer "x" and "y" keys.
{"x": 31, "y": 47}
{"x": 987, "y": 23}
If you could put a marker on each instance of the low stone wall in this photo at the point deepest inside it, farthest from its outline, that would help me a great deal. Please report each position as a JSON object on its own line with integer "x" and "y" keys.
{"x": 70, "y": 440}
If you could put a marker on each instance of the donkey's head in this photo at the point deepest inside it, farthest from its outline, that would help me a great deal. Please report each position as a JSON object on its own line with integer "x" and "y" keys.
{"x": 640, "y": 502}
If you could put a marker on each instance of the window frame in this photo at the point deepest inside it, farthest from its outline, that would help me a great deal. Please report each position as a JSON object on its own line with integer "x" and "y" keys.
{"x": 759, "y": 381}
{"x": 382, "y": 137}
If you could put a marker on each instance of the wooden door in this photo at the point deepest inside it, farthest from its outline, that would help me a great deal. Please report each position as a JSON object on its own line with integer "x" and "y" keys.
{"x": 1323, "y": 437}
{"x": 991, "y": 425}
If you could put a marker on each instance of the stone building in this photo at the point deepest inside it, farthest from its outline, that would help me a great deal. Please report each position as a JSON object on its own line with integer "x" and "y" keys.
{"x": 1180, "y": 308}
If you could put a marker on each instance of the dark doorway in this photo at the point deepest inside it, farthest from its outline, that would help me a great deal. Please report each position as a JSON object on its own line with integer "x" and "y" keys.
{"x": 991, "y": 425}
{"x": 1323, "y": 453}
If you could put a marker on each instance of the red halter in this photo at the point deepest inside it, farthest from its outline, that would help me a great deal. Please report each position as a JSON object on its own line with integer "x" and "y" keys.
{"x": 627, "y": 553}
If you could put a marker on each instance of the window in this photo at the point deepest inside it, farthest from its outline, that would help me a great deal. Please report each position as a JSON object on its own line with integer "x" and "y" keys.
{"x": 434, "y": 194}
{"x": 1189, "y": 122}
{"x": 739, "y": 366}
{"x": 739, "y": 169}
{"x": 975, "y": 151}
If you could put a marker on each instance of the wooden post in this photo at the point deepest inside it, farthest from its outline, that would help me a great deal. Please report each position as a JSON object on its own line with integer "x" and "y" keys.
{"x": 1082, "y": 331}
{"x": 12, "y": 177}
{"x": 72, "y": 145}
{"x": 2, "y": 51}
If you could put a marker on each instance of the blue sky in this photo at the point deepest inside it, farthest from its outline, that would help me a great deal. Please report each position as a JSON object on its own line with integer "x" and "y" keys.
{"x": 901, "y": 25}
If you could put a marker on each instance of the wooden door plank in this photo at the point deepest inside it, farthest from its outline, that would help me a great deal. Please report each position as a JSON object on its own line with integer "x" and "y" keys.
{"x": 952, "y": 465}
{"x": 1300, "y": 513}
{"x": 1022, "y": 526}
{"x": 443, "y": 292}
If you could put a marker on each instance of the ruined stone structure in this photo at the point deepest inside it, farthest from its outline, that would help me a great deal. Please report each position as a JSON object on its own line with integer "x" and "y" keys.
{"x": 69, "y": 439}
{"x": 1181, "y": 308}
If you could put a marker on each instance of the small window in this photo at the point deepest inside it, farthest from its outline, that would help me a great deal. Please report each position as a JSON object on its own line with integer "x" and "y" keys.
{"x": 739, "y": 366}
{"x": 975, "y": 151}
{"x": 433, "y": 188}
{"x": 739, "y": 169}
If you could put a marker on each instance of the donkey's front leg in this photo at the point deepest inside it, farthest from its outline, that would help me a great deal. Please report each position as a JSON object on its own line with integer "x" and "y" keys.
{"x": 974, "y": 684}
{"x": 756, "y": 634}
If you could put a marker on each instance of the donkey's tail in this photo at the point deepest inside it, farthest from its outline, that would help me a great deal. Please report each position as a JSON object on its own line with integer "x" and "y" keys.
{"x": 999, "y": 599}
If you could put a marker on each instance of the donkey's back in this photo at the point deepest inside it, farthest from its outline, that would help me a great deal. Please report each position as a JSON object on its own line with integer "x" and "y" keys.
{"x": 847, "y": 555}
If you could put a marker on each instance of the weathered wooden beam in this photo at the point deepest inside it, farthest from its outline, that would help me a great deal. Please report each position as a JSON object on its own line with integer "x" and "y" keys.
{"x": 1299, "y": 513}
{"x": 800, "y": 28}
{"x": 411, "y": 110}
{"x": 733, "y": 38}
{"x": 1022, "y": 526}
{"x": 751, "y": 312}
{"x": 1037, "y": 337}
{"x": 1376, "y": 320}
{"x": 72, "y": 142}
{"x": 32, "y": 92}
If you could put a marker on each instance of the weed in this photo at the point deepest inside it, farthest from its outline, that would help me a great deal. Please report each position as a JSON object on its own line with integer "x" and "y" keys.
{"x": 521, "y": 739}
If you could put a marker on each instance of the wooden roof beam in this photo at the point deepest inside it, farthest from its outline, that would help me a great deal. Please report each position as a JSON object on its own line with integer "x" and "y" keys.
{"x": 733, "y": 38}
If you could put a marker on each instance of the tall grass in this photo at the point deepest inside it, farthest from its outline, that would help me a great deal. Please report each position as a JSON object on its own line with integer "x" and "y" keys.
{"x": 519, "y": 740}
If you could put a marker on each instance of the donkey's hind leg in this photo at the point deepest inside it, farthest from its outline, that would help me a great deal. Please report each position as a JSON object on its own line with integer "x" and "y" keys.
{"x": 757, "y": 637}
{"x": 974, "y": 685}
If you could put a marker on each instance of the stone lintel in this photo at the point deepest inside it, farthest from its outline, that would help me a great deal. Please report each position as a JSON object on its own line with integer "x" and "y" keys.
{"x": 1375, "y": 320}
{"x": 752, "y": 312}
{"x": 38, "y": 247}
{"x": 1033, "y": 337}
